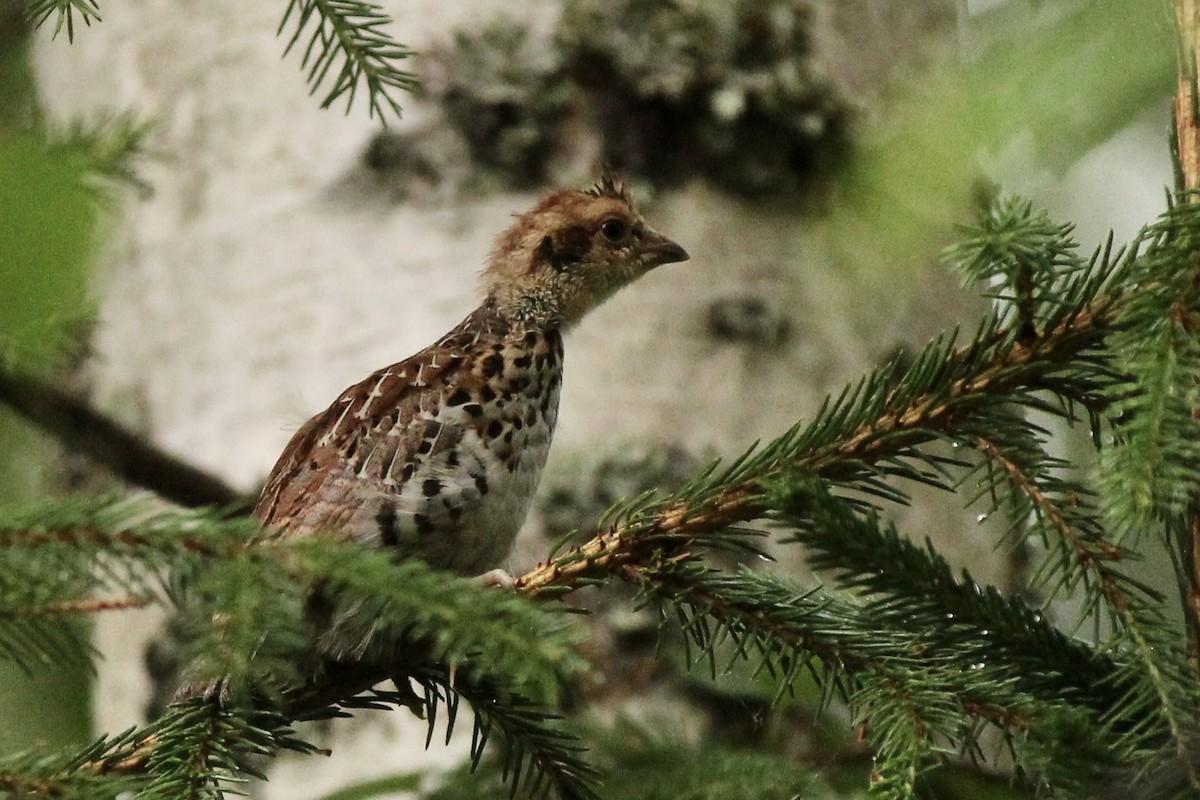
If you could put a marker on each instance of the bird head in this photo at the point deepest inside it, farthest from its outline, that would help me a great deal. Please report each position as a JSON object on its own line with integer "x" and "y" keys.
{"x": 571, "y": 252}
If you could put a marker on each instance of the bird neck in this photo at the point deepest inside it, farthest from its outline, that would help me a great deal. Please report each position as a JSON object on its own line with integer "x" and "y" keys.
{"x": 521, "y": 313}
{"x": 535, "y": 306}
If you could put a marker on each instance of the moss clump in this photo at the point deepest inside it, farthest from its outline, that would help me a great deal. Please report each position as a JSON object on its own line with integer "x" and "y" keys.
{"x": 503, "y": 90}
{"x": 726, "y": 90}
{"x": 729, "y": 90}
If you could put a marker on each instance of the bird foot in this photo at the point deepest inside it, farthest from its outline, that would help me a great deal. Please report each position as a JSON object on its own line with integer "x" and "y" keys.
{"x": 497, "y": 577}
{"x": 218, "y": 692}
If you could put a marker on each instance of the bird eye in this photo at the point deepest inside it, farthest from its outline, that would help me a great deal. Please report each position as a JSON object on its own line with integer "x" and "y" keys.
{"x": 614, "y": 229}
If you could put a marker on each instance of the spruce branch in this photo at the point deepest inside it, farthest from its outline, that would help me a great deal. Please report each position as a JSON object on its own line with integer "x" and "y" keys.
{"x": 783, "y": 628}
{"x": 903, "y": 720}
{"x": 913, "y": 588}
{"x": 883, "y": 417}
{"x": 202, "y": 749}
{"x": 1142, "y": 699}
{"x": 349, "y": 40}
{"x": 409, "y": 607}
{"x": 91, "y": 606}
{"x": 108, "y": 148}
{"x": 1151, "y": 470}
{"x": 62, "y": 774}
{"x": 248, "y": 599}
{"x": 1019, "y": 254}
{"x": 65, "y": 11}
{"x": 198, "y": 749}
{"x": 134, "y": 528}
{"x": 537, "y": 755}
{"x": 229, "y": 572}
{"x": 60, "y": 560}
{"x": 1089, "y": 557}
{"x": 855, "y": 651}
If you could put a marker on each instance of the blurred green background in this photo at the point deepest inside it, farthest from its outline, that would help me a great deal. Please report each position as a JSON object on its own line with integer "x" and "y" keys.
{"x": 48, "y": 236}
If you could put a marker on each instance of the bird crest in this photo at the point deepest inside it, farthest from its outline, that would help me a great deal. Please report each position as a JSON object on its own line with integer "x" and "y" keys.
{"x": 611, "y": 185}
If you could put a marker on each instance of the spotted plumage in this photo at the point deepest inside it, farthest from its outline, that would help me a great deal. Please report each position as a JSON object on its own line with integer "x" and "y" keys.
{"x": 438, "y": 456}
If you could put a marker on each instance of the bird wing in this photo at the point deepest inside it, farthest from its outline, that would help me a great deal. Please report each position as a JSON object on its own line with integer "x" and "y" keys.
{"x": 371, "y": 438}
{"x": 370, "y": 430}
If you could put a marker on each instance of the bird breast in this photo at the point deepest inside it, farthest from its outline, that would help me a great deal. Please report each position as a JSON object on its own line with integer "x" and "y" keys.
{"x": 436, "y": 457}
{"x": 460, "y": 503}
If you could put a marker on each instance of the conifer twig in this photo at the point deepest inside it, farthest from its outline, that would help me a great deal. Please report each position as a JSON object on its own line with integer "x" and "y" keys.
{"x": 349, "y": 45}
{"x": 89, "y": 606}
{"x": 40, "y": 10}
{"x": 732, "y": 609}
{"x": 633, "y": 542}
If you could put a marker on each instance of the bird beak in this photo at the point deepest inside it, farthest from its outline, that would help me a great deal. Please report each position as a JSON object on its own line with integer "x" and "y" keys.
{"x": 662, "y": 250}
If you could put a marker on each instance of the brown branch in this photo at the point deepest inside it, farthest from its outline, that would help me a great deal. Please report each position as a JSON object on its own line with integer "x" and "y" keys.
{"x": 92, "y": 606}
{"x": 130, "y": 760}
{"x": 1187, "y": 150}
{"x": 633, "y": 541}
{"x": 1187, "y": 109}
{"x": 129, "y": 456}
{"x": 129, "y": 539}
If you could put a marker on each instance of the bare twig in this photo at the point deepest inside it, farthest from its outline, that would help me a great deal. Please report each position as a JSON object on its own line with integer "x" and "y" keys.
{"x": 1187, "y": 152}
{"x": 130, "y": 457}
{"x": 1187, "y": 105}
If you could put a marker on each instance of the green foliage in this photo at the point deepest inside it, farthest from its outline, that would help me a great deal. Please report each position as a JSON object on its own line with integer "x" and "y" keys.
{"x": 380, "y": 787}
{"x": 375, "y": 600}
{"x": 644, "y": 764}
{"x": 53, "y": 189}
{"x": 345, "y": 47}
{"x": 107, "y": 151}
{"x": 49, "y": 232}
{"x": 64, "y": 12}
{"x": 247, "y": 604}
{"x": 55, "y": 557}
{"x": 537, "y": 754}
{"x": 1151, "y": 469}
{"x": 349, "y": 46}
{"x": 1022, "y": 255}
{"x": 1063, "y": 75}
{"x": 196, "y": 750}
{"x": 203, "y": 751}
